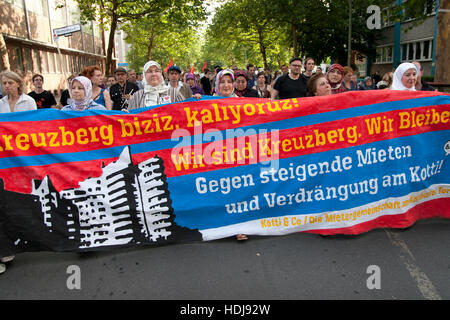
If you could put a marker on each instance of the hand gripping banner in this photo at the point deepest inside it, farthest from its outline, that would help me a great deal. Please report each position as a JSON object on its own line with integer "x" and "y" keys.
{"x": 217, "y": 167}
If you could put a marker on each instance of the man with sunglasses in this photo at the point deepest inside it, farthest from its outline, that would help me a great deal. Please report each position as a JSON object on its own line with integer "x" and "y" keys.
{"x": 290, "y": 85}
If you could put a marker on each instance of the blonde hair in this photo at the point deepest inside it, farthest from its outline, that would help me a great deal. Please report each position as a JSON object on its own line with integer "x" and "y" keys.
{"x": 15, "y": 77}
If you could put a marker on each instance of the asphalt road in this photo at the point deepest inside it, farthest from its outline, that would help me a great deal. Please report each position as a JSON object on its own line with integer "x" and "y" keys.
{"x": 400, "y": 264}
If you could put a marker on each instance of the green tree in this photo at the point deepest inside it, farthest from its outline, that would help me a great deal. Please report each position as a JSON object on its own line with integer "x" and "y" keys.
{"x": 242, "y": 27}
{"x": 113, "y": 13}
{"x": 165, "y": 35}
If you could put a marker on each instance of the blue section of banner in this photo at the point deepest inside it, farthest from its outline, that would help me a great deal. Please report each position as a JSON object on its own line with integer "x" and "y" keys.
{"x": 347, "y": 188}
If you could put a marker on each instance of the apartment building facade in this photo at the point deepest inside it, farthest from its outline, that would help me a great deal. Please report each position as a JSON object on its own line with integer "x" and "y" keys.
{"x": 28, "y": 47}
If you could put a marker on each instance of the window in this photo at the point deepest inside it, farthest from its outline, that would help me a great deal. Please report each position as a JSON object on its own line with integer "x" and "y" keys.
{"x": 64, "y": 59}
{"x": 37, "y": 61}
{"x": 18, "y": 59}
{"x": 28, "y": 59}
{"x": 417, "y": 50}
{"x": 38, "y": 7}
{"x": 426, "y": 47}
{"x": 418, "y": 54}
{"x": 51, "y": 62}
{"x": 57, "y": 14}
{"x": 384, "y": 54}
{"x": 17, "y": 3}
{"x": 385, "y": 21}
{"x": 45, "y": 61}
{"x": 404, "y": 51}
{"x": 58, "y": 59}
{"x": 411, "y": 48}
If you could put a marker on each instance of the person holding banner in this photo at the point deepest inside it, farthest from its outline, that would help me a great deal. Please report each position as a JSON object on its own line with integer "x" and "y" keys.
{"x": 240, "y": 85}
{"x": 335, "y": 77}
{"x": 81, "y": 96}
{"x": 99, "y": 95}
{"x": 318, "y": 85}
{"x": 224, "y": 84}
{"x": 177, "y": 87}
{"x": 405, "y": 77}
{"x": 14, "y": 100}
{"x": 122, "y": 90}
{"x": 155, "y": 90}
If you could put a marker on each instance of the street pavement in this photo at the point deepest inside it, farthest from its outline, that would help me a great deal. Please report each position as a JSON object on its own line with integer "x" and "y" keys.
{"x": 382, "y": 264}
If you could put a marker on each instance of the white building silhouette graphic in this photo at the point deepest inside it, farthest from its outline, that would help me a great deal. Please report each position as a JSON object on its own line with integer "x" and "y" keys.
{"x": 126, "y": 204}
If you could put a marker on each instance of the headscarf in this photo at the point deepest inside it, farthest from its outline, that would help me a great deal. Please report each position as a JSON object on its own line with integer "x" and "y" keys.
{"x": 240, "y": 73}
{"x": 195, "y": 88}
{"x": 152, "y": 93}
{"x": 336, "y": 87}
{"x": 81, "y": 105}
{"x": 341, "y": 69}
{"x": 398, "y": 74}
{"x": 219, "y": 76}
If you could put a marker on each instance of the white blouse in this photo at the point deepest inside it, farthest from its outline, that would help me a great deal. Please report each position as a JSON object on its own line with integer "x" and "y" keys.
{"x": 24, "y": 103}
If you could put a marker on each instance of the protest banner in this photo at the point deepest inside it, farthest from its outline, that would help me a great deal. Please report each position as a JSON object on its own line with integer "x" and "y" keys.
{"x": 217, "y": 167}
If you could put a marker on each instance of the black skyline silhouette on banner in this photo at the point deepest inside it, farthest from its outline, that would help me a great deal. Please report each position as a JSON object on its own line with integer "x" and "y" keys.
{"x": 127, "y": 205}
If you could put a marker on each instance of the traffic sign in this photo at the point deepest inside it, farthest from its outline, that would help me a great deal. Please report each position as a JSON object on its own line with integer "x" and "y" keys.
{"x": 66, "y": 31}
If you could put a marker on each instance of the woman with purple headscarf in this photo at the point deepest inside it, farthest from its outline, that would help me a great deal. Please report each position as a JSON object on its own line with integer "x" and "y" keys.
{"x": 80, "y": 89}
{"x": 196, "y": 89}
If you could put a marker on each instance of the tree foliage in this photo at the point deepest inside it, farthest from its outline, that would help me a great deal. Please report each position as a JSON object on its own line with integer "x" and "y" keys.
{"x": 165, "y": 35}
{"x": 114, "y": 13}
{"x": 299, "y": 28}
{"x": 263, "y": 32}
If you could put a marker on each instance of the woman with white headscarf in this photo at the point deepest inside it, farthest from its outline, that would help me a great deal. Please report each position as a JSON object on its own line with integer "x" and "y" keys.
{"x": 80, "y": 89}
{"x": 405, "y": 77}
{"x": 155, "y": 91}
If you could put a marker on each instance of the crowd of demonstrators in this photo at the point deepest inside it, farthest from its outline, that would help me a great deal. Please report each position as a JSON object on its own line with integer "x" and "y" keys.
{"x": 128, "y": 90}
